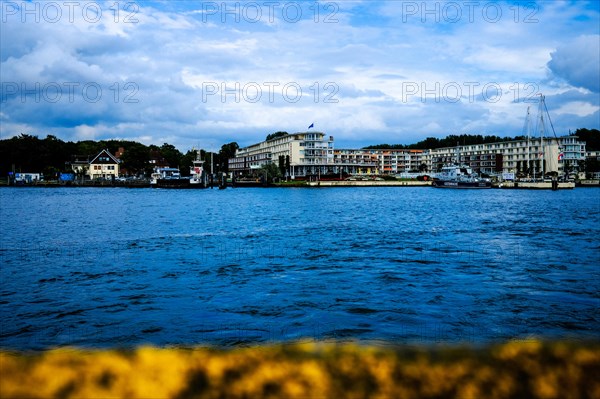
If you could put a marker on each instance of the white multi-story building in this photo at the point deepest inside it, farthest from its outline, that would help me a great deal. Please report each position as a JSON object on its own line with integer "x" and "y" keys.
{"x": 527, "y": 156}
{"x": 378, "y": 161}
{"x": 573, "y": 154}
{"x": 306, "y": 153}
{"x": 313, "y": 153}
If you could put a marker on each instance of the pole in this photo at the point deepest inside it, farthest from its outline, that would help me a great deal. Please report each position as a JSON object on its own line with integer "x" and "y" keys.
{"x": 542, "y": 135}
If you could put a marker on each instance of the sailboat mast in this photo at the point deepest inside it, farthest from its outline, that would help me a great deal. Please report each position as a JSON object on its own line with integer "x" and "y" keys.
{"x": 541, "y": 112}
{"x": 528, "y": 129}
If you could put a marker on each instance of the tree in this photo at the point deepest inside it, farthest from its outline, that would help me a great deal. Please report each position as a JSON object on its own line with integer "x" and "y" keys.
{"x": 187, "y": 162}
{"x": 135, "y": 158}
{"x": 276, "y": 135}
{"x": 271, "y": 170}
{"x": 227, "y": 151}
{"x": 592, "y": 165}
{"x": 282, "y": 165}
{"x": 171, "y": 154}
{"x": 88, "y": 147}
{"x": 591, "y": 138}
{"x": 287, "y": 163}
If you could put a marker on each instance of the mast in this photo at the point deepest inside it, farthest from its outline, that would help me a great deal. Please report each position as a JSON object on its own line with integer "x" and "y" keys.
{"x": 527, "y": 129}
{"x": 542, "y": 127}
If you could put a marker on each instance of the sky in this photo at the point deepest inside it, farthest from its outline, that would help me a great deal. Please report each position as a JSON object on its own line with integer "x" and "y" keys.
{"x": 202, "y": 74}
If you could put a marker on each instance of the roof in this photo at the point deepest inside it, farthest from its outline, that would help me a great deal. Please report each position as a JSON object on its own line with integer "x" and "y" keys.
{"x": 104, "y": 157}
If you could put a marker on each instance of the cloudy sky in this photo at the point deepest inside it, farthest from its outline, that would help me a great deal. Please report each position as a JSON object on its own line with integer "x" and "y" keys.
{"x": 206, "y": 73}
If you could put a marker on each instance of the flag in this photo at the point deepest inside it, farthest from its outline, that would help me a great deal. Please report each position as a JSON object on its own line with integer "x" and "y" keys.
{"x": 311, "y": 125}
{"x": 561, "y": 155}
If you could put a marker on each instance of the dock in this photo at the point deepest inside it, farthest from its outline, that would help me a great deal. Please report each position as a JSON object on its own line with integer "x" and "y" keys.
{"x": 541, "y": 185}
{"x": 368, "y": 183}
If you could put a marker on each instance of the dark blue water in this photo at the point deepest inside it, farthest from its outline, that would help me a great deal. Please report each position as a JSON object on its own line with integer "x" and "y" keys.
{"x": 117, "y": 267}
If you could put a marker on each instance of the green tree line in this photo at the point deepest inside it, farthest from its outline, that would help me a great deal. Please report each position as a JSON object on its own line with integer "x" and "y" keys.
{"x": 431, "y": 143}
{"x": 28, "y": 153}
{"x": 51, "y": 155}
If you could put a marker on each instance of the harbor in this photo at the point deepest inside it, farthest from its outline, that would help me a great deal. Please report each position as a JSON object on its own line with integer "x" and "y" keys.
{"x": 412, "y": 265}
{"x": 300, "y": 199}
{"x": 133, "y": 184}
{"x": 173, "y": 184}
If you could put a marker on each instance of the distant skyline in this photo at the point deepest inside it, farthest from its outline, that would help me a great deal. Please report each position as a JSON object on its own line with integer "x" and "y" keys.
{"x": 201, "y": 74}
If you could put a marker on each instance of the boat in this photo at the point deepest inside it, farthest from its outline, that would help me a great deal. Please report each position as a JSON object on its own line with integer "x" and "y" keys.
{"x": 198, "y": 179}
{"x": 459, "y": 176}
{"x": 455, "y": 175}
{"x": 171, "y": 177}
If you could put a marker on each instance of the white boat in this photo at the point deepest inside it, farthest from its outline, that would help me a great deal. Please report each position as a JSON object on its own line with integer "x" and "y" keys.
{"x": 197, "y": 175}
{"x": 162, "y": 174}
{"x": 459, "y": 176}
{"x": 171, "y": 178}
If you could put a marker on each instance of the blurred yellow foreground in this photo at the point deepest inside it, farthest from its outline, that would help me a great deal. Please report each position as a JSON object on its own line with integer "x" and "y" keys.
{"x": 529, "y": 369}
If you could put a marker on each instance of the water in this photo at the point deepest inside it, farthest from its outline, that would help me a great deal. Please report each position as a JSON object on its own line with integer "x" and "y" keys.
{"x": 101, "y": 267}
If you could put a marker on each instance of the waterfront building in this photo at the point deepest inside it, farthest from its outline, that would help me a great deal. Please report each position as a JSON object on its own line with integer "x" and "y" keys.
{"x": 572, "y": 155}
{"x": 80, "y": 164}
{"x": 104, "y": 165}
{"x": 27, "y": 178}
{"x": 526, "y": 156}
{"x": 379, "y": 161}
{"x": 355, "y": 162}
{"x": 314, "y": 153}
{"x": 305, "y": 153}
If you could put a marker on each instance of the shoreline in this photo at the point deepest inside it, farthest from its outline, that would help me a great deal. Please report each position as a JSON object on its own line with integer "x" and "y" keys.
{"x": 521, "y": 185}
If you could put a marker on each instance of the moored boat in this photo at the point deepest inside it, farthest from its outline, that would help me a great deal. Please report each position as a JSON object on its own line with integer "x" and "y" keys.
{"x": 459, "y": 176}
{"x": 171, "y": 177}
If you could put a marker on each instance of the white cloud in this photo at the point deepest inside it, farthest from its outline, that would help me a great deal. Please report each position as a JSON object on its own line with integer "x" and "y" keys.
{"x": 578, "y": 62}
{"x": 372, "y": 55}
{"x": 578, "y": 108}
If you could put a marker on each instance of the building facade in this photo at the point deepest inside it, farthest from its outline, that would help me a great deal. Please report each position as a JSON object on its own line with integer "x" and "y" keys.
{"x": 314, "y": 153}
{"x": 527, "y": 156}
{"x": 379, "y": 161}
{"x": 305, "y": 153}
{"x": 103, "y": 166}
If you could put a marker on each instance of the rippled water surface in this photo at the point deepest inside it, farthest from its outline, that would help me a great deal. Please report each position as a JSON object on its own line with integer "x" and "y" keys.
{"x": 120, "y": 267}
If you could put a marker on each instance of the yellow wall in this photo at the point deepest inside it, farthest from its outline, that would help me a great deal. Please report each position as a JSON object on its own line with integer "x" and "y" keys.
{"x": 103, "y": 170}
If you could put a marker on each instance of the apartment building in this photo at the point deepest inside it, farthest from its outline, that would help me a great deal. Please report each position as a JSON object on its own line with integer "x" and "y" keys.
{"x": 355, "y": 161}
{"x": 379, "y": 161}
{"x": 525, "y": 156}
{"x": 314, "y": 153}
{"x": 308, "y": 153}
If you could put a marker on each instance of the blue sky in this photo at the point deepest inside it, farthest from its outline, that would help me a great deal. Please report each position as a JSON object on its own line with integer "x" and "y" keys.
{"x": 203, "y": 74}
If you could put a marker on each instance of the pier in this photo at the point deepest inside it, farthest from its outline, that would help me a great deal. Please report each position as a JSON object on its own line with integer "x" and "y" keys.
{"x": 369, "y": 183}
{"x": 541, "y": 185}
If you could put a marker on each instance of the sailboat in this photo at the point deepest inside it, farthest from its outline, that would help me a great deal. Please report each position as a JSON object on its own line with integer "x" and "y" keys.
{"x": 538, "y": 163}
{"x": 541, "y": 163}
